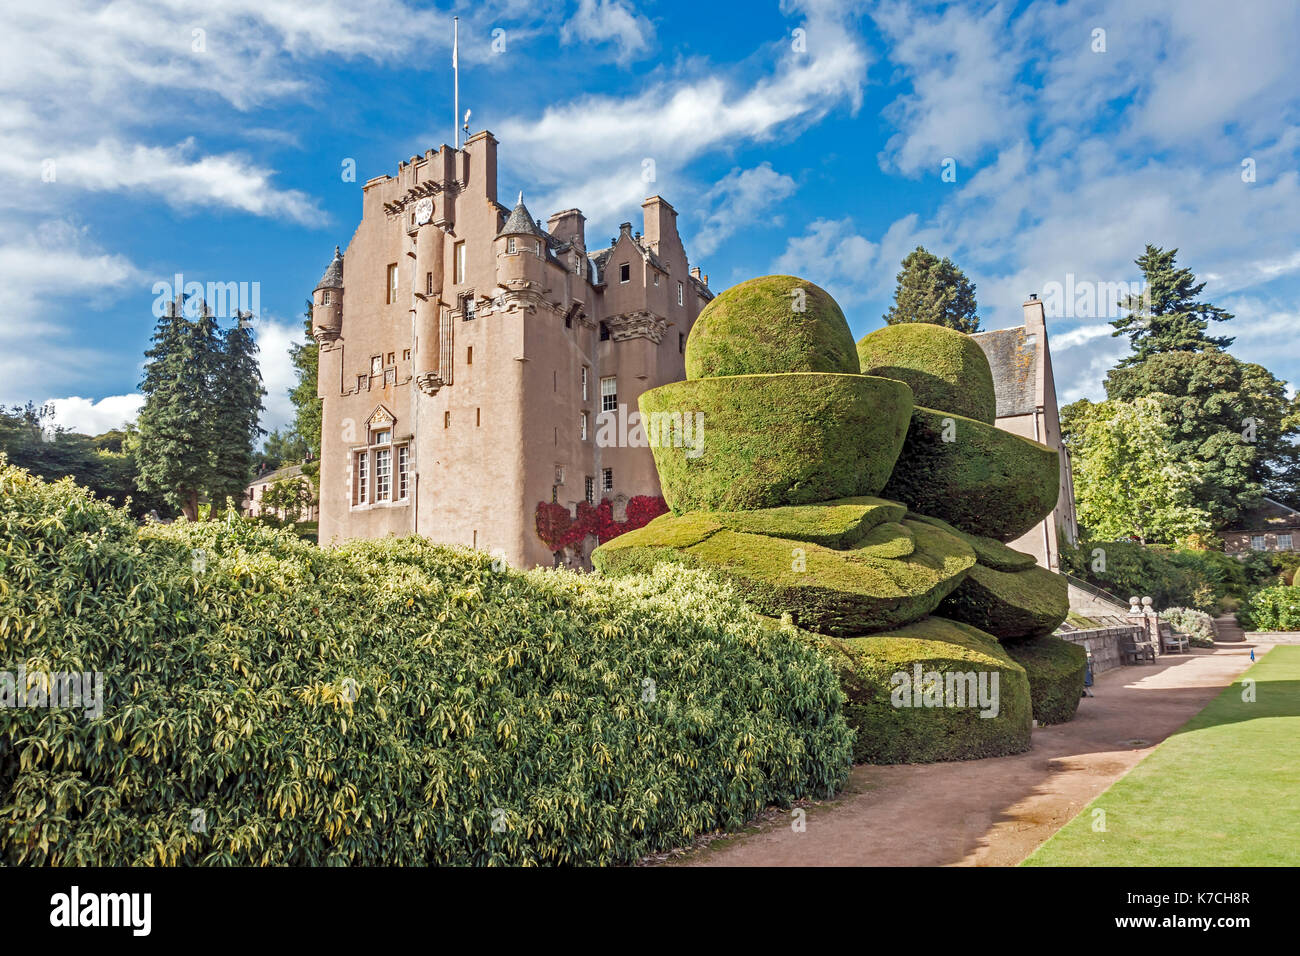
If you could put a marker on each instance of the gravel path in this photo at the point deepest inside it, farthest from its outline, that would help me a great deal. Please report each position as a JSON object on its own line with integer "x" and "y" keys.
{"x": 993, "y": 812}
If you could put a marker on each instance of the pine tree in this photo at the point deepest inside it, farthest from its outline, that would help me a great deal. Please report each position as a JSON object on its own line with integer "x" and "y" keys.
{"x": 237, "y": 406}
{"x": 173, "y": 456}
{"x": 935, "y": 291}
{"x": 1167, "y": 317}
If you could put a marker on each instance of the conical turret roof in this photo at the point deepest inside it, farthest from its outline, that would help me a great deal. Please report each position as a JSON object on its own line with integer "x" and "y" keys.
{"x": 333, "y": 277}
{"x": 520, "y": 222}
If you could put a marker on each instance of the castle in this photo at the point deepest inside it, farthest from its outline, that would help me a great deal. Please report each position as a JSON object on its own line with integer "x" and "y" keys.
{"x": 472, "y": 362}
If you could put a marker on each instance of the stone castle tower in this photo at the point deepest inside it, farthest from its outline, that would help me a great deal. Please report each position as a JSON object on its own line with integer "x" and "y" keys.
{"x": 480, "y": 357}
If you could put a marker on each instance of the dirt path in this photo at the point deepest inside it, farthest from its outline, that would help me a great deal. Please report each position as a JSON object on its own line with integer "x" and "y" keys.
{"x": 994, "y": 812}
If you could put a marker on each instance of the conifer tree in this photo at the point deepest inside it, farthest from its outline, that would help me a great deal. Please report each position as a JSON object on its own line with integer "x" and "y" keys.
{"x": 308, "y": 407}
{"x": 174, "y": 452}
{"x": 237, "y": 406}
{"x": 1167, "y": 317}
{"x": 933, "y": 290}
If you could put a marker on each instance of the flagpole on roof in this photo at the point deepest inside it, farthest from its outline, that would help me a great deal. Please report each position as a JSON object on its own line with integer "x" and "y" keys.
{"x": 455, "y": 68}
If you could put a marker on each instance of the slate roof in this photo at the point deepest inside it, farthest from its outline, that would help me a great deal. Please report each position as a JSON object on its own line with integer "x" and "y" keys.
{"x": 520, "y": 222}
{"x": 1268, "y": 515}
{"x": 333, "y": 277}
{"x": 1015, "y": 369}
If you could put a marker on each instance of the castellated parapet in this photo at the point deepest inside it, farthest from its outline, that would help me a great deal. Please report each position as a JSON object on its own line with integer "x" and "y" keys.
{"x": 465, "y": 379}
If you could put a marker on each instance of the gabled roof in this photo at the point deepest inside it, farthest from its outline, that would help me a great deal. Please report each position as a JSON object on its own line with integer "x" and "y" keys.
{"x": 1014, "y": 361}
{"x": 333, "y": 277}
{"x": 1268, "y": 515}
{"x": 520, "y": 222}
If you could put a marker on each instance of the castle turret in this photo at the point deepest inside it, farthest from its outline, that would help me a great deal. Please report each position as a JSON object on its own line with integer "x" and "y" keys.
{"x": 327, "y": 302}
{"x": 521, "y": 251}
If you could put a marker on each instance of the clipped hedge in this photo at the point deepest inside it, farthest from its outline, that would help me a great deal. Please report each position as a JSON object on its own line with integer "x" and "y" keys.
{"x": 1056, "y": 671}
{"x": 1011, "y": 605}
{"x": 1272, "y": 609}
{"x": 946, "y": 369}
{"x": 988, "y": 551}
{"x": 772, "y": 440}
{"x": 984, "y": 480}
{"x": 840, "y": 592}
{"x": 910, "y": 734}
{"x": 755, "y": 328}
{"x": 388, "y": 702}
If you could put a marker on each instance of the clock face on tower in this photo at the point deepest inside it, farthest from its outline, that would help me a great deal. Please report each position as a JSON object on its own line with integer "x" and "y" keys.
{"x": 423, "y": 211}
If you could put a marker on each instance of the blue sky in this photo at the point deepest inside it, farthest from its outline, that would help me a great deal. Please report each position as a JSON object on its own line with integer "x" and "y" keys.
{"x": 219, "y": 154}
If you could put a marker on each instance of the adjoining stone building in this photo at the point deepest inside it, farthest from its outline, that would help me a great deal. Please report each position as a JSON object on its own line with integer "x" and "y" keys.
{"x": 1269, "y": 526}
{"x": 1026, "y": 397}
{"x": 468, "y": 355}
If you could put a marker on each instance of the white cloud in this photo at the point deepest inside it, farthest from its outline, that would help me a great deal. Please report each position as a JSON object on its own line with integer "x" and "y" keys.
{"x": 737, "y": 200}
{"x": 177, "y": 175}
{"x": 594, "y": 152}
{"x": 600, "y": 21}
{"x": 90, "y": 417}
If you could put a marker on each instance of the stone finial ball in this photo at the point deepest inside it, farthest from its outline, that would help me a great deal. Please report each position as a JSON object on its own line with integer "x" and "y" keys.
{"x": 770, "y": 325}
{"x": 947, "y": 369}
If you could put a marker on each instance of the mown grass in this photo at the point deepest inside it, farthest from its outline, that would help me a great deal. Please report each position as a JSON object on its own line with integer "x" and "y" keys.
{"x": 1223, "y": 791}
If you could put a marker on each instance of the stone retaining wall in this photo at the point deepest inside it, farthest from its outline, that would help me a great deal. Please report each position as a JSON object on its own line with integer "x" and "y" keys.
{"x": 1103, "y": 643}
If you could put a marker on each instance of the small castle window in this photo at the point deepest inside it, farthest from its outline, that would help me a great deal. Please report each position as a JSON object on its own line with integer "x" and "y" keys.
{"x": 609, "y": 479}
{"x": 392, "y": 283}
{"x": 467, "y": 306}
{"x": 446, "y": 419}
{"x": 589, "y": 486}
{"x": 406, "y": 355}
{"x": 656, "y": 278}
{"x": 459, "y": 272}
{"x": 582, "y": 427}
{"x": 428, "y": 283}
{"x": 681, "y": 293}
{"x": 325, "y": 297}
{"x": 609, "y": 394}
{"x": 681, "y": 342}
{"x": 376, "y": 365}
{"x": 539, "y": 246}
{"x": 624, "y": 272}
{"x": 510, "y": 245}
{"x": 604, "y": 332}
{"x": 469, "y": 355}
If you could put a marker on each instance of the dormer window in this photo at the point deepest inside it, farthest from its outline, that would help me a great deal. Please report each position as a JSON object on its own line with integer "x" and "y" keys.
{"x": 625, "y": 272}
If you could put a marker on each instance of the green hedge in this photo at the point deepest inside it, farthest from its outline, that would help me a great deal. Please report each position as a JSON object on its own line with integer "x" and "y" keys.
{"x": 1204, "y": 580}
{"x": 772, "y": 440}
{"x": 754, "y": 329}
{"x": 845, "y": 593}
{"x": 1272, "y": 609}
{"x": 1056, "y": 671}
{"x": 1011, "y": 605}
{"x": 946, "y": 369}
{"x": 989, "y": 551}
{"x": 892, "y": 734}
{"x": 984, "y": 480}
{"x": 388, "y": 702}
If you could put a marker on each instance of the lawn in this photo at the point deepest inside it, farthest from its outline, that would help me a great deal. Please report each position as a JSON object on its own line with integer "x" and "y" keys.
{"x": 1223, "y": 791}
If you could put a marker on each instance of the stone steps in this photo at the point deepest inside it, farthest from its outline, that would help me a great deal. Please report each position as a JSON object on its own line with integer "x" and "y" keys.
{"x": 1227, "y": 630}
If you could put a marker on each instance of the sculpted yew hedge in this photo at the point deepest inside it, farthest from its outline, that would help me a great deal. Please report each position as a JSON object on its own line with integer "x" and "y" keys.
{"x": 389, "y": 702}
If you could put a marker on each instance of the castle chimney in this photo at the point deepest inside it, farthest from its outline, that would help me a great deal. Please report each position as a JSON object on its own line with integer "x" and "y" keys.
{"x": 660, "y": 221}
{"x": 568, "y": 225}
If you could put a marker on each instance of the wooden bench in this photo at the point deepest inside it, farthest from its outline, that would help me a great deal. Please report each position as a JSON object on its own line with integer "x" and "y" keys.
{"x": 1137, "y": 650}
{"x": 1171, "y": 641}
